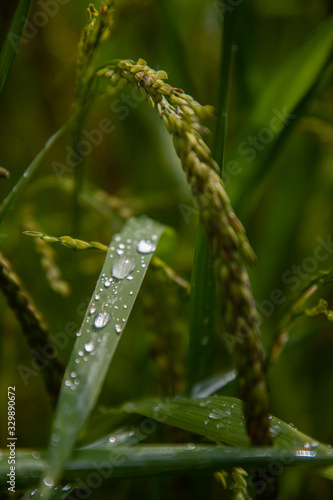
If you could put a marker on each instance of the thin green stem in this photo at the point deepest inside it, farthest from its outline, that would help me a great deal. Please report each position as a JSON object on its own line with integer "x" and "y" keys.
{"x": 12, "y": 42}
{"x": 227, "y": 52}
{"x": 203, "y": 285}
{"x": 24, "y": 179}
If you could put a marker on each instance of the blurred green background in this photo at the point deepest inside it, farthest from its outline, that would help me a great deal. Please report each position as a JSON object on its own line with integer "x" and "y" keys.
{"x": 284, "y": 212}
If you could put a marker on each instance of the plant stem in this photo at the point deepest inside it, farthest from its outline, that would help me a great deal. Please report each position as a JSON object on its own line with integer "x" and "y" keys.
{"x": 203, "y": 285}
{"x": 24, "y": 179}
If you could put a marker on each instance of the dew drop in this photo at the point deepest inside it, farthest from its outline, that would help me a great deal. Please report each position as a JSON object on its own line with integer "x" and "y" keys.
{"x": 117, "y": 328}
{"x": 129, "y": 278}
{"x": 121, "y": 246}
{"x": 122, "y": 267}
{"x": 35, "y": 454}
{"x": 92, "y": 310}
{"x": 120, "y": 252}
{"x": 68, "y": 383}
{"x": 48, "y": 482}
{"x": 190, "y": 446}
{"x": 125, "y": 306}
{"x": 107, "y": 283}
{"x": 145, "y": 246}
{"x": 73, "y": 374}
{"x": 112, "y": 439}
{"x": 311, "y": 445}
{"x": 275, "y": 430}
{"x": 80, "y": 353}
{"x": 131, "y": 292}
{"x": 101, "y": 320}
{"x": 204, "y": 403}
{"x": 216, "y": 414}
{"x": 97, "y": 297}
{"x": 89, "y": 346}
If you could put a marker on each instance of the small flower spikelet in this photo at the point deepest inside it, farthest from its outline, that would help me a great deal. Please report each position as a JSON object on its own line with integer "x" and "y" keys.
{"x": 97, "y": 29}
{"x": 183, "y": 116}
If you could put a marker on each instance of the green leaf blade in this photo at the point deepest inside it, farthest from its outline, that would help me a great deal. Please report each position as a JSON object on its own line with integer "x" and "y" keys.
{"x": 220, "y": 418}
{"x": 12, "y": 42}
{"x": 116, "y": 290}
{"x": 281, "y": 103}
{"x": 127, "y": 463}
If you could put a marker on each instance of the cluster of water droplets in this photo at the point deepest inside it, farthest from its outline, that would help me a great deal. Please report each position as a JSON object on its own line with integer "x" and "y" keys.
{"x": 48, "y": 482}
{"x": 220, "y": 415}
{"x": 124, "y": 253}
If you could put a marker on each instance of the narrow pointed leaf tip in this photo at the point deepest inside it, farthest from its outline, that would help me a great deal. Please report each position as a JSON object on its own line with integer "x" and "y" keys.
{"x": 126, "y": 263}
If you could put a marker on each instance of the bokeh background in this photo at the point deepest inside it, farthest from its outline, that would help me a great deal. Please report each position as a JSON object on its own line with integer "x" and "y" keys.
{"x": 284, "y": 212}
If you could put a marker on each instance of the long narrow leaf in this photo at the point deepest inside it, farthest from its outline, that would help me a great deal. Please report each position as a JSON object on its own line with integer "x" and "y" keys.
{"x": 221, "y": 419}
{"x": 203, "y": 288}
{"x": 157, "y": 460}
{"x": 25, "y": 178}
{"x": 278, "y": 111}
{"x": 120, "y": 280}
{"x": 296, "y": 75}
{"x": 12, "y": 42}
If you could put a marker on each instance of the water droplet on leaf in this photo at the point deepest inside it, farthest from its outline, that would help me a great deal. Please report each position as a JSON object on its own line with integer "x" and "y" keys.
{"x": 145, "y": 246}
{"x": 122, "y": 267}
{"x": 48, "y": 482}
{"x": 89, "y": 346}
{"x": 101, "y": 320}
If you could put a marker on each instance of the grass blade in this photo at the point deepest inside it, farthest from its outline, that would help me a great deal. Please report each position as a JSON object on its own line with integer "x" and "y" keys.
{"x": 128, "y": 463}
{"x": 296, "y": 75}
{"x": 278, "y": 111}
{"x": 203, "y": 285}
{"x": 202, "y": 312}
{"x": 221, "y": 419}
{"x": 12, "y": 42}
{"x": 211, "y": 385}
{"x": 24, "y": 179}
{"x": 122, "y": 274}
